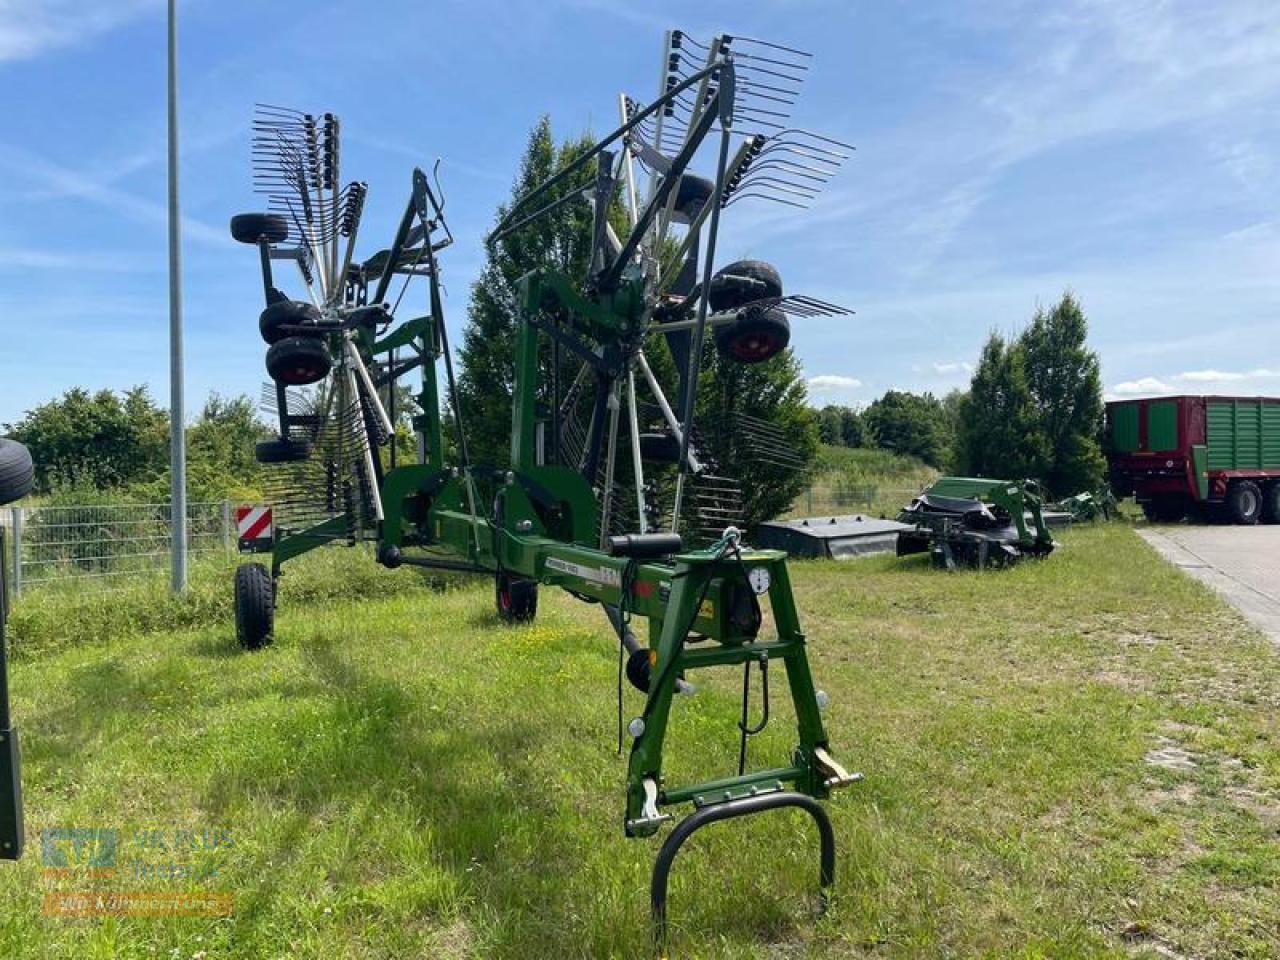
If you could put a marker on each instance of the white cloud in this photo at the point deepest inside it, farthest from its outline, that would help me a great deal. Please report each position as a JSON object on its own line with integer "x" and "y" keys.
{"x": 73, "y": 184}
{"x": 1134, "y": 388}
{"x": 831, "y": 381}
{"x": 29, "y": 30}
{"x": 957, "y": 366}
{"x": 1225, "y": 376}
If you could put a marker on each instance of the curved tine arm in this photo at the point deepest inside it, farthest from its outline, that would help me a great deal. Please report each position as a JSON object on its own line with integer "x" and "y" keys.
{"x": 666, "y": 192}
{"x": 794, "y": 169}
{"x": 758, "y": 195}
{"x": 577, "y": 164}
{"x": 786, "y": 186}
{"x": 810, "y": 135}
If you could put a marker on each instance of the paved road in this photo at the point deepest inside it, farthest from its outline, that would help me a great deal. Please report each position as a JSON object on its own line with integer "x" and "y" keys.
{"x": 1241, "y": 563}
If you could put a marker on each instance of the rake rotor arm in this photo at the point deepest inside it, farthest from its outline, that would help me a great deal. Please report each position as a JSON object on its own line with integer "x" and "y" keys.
{"x": 505, "y": 226}
{"x": 609, "y": 279}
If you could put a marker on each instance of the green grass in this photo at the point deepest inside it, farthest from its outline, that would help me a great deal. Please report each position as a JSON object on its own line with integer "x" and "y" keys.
{"x": 404, "y": 777}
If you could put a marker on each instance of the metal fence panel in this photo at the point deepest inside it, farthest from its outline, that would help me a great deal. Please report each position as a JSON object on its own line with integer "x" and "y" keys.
{"x": 49, "y": 544}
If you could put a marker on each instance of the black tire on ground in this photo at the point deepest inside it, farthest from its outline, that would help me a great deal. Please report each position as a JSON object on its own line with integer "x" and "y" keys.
{"x": 1271, "y": 503}
{"x": 516, "y": 597}
{"x": 298, "y": 361}
{"x": 692, "y": 195}
{"x": 282, "y": 450}
{"x": 1244, "y": 502}
{"x": 659, "y": 448}
{"x": 757, "y": 335}
{"x": 254, "y": 227}
{"x": 255, "y": 606}
{"x": 742, "y": 282}
{"x": 286, "y": 313}
{"x": 1165, "y": 509}
{"x": 16, "y": 471}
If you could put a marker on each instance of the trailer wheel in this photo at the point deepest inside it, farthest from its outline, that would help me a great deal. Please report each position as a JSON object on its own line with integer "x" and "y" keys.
{"x": 255, "y": 606}
{"x": 298, "y": 361}
{"x": 286, "y": 313}
{"x": 255, "y": 227}
{"x": 516, "y": 598}
{"x": 742, "y": 282}
{"x": 1244, "y": 502}
{"x": 16, "y": 472}
{"x": 1271, "y": 503}
{"x": 757, "y": 335}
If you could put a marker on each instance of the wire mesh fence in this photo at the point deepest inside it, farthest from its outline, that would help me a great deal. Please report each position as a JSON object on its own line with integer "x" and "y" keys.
{"x": 872, "y": 500}
{"x": 99, "y": 542}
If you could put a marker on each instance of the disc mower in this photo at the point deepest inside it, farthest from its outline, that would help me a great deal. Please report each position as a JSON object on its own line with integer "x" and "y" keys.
{"x": 975, "y": 522}
{"x": 612, "y": 492}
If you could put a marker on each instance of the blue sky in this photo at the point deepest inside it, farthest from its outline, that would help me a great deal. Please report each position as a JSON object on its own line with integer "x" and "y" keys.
{"x": 1127, "y": 150}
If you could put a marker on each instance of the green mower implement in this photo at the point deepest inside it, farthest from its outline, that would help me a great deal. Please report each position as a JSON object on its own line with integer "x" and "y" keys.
{"x": 610, "y": 493}
{"x": 976, "y": 522}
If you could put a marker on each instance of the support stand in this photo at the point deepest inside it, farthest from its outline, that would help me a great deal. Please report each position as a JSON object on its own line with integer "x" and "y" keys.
{"x": 11, "y": 832}
{"x": 729, "y": 810}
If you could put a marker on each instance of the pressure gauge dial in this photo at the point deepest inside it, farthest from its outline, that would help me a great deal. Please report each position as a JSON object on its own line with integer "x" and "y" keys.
{"x": 759, "y": 579}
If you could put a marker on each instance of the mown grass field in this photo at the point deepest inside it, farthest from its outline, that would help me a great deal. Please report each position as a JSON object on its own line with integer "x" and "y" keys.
{"x": 1068, "y": 759}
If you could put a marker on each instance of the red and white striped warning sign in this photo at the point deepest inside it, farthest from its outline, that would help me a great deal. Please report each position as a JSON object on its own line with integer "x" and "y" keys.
{"x": 253, "y": 523}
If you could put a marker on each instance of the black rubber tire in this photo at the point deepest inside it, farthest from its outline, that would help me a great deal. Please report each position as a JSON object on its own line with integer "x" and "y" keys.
{"x": 1244, "y": 502}
{"x": 692, "y": 195}
{"x": 1271, "y": 503}
{"x": 17, "y": 474}
{"x": 255, "y": 606}
{"x": 299, "y": 361}
{"x": 1165, "y": 509}
{"x": 742, "y": 282}
{"x": 286, "y": 313}
{"x": 659, "y": 448}
{"x": 255, "y": 227}
{"x": 756, "y": 336}
{"x": 282, "y": 450}
{"x": 515, "y": 597}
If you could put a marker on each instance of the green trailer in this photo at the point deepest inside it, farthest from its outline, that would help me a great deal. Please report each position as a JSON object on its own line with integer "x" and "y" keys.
{"x": 1210, "y": 457}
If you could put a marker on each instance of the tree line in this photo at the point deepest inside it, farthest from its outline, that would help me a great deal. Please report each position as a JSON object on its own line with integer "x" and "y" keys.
{"x": 1033, "y": 409}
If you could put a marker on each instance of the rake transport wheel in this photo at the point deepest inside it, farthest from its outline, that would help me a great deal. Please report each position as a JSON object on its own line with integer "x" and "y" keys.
{"x": 1244, "y": 502}
{"x": 516, "y": 598}
{"x": 286, "y": 313}
{"x": 282, "y": 450}
{"x": 16, "y": 471}
{"x": 256, "y": 227}
{"x": 298, "y": 361}
{"x": 759, "y": 334}
{"x": 742, "y": 282}
{"x": 255, "y": 606}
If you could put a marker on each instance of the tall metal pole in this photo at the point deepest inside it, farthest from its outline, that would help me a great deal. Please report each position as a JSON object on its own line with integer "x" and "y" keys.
{"x": 177, "y": 407}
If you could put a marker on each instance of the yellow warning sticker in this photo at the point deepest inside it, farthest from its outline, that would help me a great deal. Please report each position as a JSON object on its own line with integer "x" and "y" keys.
{"x": 707, "y": 610}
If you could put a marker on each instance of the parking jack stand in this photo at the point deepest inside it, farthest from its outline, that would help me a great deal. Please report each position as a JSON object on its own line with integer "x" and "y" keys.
{"x": 730, "y": 810}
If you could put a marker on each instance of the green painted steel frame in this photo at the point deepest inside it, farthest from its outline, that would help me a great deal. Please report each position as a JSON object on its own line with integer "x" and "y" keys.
{"x": 543, "y": 527}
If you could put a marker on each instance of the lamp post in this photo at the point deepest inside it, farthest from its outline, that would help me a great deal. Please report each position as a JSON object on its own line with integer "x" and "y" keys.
{"x": 177, "y": 407}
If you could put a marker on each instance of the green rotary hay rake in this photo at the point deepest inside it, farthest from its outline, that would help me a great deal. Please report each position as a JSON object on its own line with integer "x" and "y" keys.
{"x": 610, "y": 493}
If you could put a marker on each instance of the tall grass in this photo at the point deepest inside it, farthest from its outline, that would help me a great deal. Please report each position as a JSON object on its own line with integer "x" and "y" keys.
{"x": 70, "y": 613}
